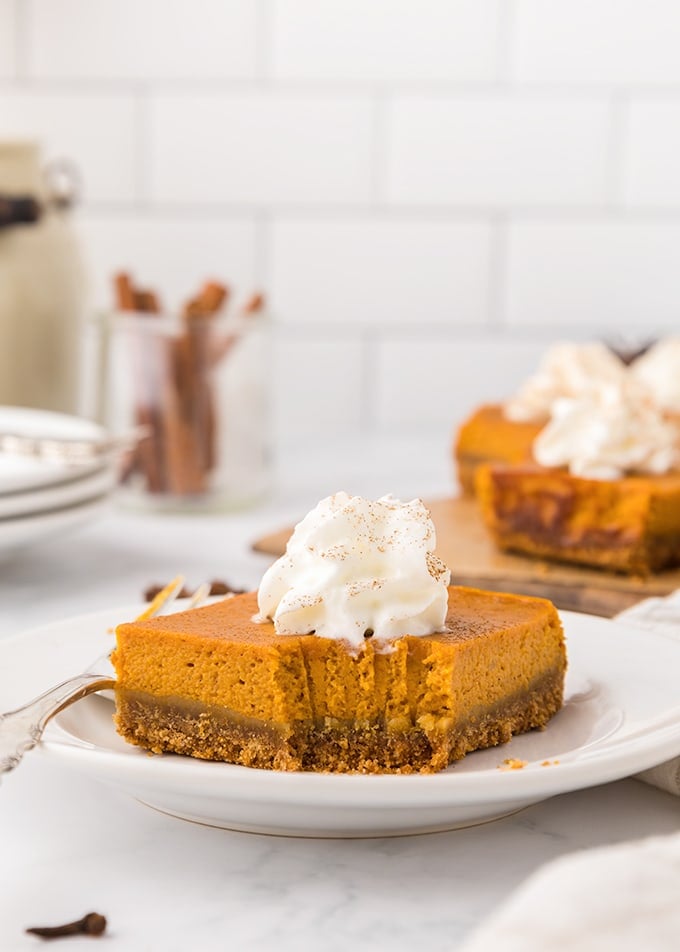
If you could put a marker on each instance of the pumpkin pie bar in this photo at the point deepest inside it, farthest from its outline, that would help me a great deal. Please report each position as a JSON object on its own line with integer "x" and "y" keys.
{"x": 505, "y": 432}
{"x": 629, "y": 525}
{"x": 488, "y": 436}
{"x": 216, "y": 684}
{"x": 605, "y": 492}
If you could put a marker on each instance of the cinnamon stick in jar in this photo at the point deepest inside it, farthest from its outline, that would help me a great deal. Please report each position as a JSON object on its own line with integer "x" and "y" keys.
{"x": 125, "y": 292}
{"x": 222, "y": 345}
{"x": 186, "y": 475}
{"x": 174, "y": 383}
{"x": 200, "y": 400}
{"x": 148, "y": 455}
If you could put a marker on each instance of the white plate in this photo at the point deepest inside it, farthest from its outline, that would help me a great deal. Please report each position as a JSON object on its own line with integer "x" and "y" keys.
{"x": 621, "y": 715}
{"x": 37, "y": 527}
{"x": 70, "y": 492}
{"x": 21, "y": 473}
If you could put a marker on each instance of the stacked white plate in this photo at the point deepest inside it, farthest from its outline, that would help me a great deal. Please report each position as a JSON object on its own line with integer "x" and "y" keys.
{"x": 42, "y": 496}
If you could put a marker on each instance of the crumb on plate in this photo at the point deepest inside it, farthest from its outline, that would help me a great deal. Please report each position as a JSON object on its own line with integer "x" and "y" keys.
{"x": 512, "y": 763}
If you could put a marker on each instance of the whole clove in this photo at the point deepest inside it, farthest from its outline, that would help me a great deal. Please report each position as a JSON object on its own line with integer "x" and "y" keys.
{"x": 218, "y": 587}
{"x": 92, "y": 924}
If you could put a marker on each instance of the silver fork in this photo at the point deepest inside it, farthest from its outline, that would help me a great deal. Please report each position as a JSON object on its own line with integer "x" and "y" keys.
{"x": 21, "y": 730}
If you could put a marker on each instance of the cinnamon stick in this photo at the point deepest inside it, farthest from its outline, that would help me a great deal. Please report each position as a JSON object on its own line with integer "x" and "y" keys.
{"x": 212, "y": 298}
{"x": 148, "y": 455}
{"x": 184, "y": 396}
{"x": 183, "y": 466}
{"x": 125, "y": 292}
{"x": 200, "y": 402}
{"x": 147, "y": 302}
{"x": 253, "y": 305}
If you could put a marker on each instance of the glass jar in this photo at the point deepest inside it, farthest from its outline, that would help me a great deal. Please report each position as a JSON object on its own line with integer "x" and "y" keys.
{"x": 196, "y": 394}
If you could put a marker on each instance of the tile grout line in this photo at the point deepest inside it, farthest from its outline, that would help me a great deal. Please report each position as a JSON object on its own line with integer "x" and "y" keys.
{"x": 264, "y": 47}
{"x": 504, "y": 88}
{"x": 615, "y": 161}
{"x": 498, "y": 272}
{"x": 369, "y": 371}
{"x": 382, "y": 331}
{"x": 312, "y": 212}
{"x": 380, "y": 149}
{"x": 262, "y": 265}
{"x": 142, "y": 147}
{"x": 505, "y": 43}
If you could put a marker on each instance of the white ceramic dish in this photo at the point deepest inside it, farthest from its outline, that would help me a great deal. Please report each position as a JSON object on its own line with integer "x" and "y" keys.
{"x": 22, "y": 473}
{"x": 33, "y": 528}
{"x": 621, "y": 715}
{"x": 72, "y": 492}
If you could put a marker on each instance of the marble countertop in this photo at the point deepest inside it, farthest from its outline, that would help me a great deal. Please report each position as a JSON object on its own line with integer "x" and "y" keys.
{"x": 70, "y": 845}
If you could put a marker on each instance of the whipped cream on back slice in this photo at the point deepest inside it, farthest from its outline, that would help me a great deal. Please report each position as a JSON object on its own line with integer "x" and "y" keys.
{"x": 608, "y": 432}
{"x": 567, "y": 370}
{"x": 659, "y": 371}
{"x": 355, "y": 568}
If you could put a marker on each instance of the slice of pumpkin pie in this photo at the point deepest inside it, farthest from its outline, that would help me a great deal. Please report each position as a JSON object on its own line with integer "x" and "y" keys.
{"x": 356, "y": 655}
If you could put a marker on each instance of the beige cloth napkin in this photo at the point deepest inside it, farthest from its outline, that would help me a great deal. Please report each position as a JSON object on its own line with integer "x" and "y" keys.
{"x": 622, "y": 898}
{"x": 661, "y": 614}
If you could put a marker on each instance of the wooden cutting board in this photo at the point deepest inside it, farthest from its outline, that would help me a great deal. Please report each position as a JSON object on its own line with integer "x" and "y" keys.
{"x": 465, "y": 546}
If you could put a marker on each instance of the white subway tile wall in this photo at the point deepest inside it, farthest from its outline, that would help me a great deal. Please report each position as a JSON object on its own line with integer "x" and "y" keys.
{"x": 363, "y": 272}
{"x": 507, "y": 150}
{"x": 429, "y": 193}
{"x": 385, "y": 41}
{"x": 173, "y": 255}
{"x": 271, "y": 148}
{"x": 443, "y": 379}
{"x": 7, "y": 39}
{"x": 584, "y": 42}
{"x": 142, "y": 39}
{"x": 625, "y": 274}
{"x": 320, "y": 376}
{"x": 96, "y": 130}
{"x": 652, "y": 154}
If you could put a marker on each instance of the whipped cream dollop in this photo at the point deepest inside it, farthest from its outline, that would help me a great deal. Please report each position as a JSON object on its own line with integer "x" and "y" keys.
{"x": 609, "y": 431}
{"x": 658, "y": 370}
{"x": 565, "y": 371}
{"x": 356, "y": 568}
